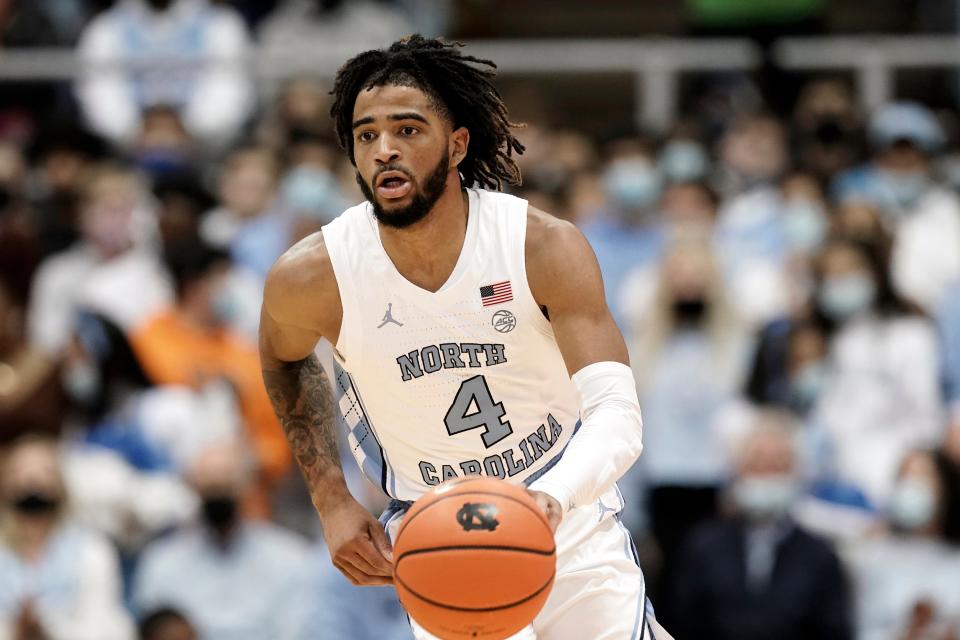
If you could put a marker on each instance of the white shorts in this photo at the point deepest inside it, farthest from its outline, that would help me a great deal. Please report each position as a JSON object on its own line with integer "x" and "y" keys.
{"x": 599, "y": 592}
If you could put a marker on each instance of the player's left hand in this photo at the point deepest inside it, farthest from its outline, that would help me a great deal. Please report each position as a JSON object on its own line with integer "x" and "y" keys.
{"x": 550, "y": 507}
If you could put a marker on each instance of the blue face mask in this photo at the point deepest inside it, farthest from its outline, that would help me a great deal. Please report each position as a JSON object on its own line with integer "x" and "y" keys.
{"x": 902, "y": 190}
{"x": 162, "y": 162}
{"x": 632, "y": 183}
{"x": 683, "y": 161}
{"x": 842, "y": 297}
{"x": 313, "y": 192}
{"x": 804, "y": 224}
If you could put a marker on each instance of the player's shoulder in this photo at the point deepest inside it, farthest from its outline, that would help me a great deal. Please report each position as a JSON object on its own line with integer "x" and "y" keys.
{"x": 301, "y": 278}
{"x": 552, "y": 241}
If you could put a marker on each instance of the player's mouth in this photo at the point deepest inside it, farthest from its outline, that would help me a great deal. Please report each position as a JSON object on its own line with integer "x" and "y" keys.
{"x": 392, "y": 185}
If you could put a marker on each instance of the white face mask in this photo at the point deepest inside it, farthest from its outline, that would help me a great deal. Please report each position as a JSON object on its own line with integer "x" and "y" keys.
{"x": 765, "y": 498}
{"x": 841, "y": 297}
{"x": 912, "y": 504}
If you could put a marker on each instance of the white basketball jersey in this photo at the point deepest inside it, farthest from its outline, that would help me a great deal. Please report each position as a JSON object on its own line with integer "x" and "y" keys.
{"x": 466, "y": 380}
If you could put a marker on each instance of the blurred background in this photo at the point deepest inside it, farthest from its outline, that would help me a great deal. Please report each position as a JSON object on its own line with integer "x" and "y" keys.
{"x": 771, "y": 188}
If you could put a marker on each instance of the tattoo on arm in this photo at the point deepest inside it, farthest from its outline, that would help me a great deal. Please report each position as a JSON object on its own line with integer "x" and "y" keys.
{"x": 303, "y": 401}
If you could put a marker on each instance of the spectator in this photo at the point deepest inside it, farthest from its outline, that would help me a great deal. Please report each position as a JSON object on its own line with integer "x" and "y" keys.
{"x": 166, "y": 624}
{"x": 249, "y": 222}
{"x": 826, "y": 128}
{"x": 907, "y": 580}
{"x": 688, "y": 357}
{"x": 108, "y": 270}
{"x": 208, "y": 83}
{"x": 881, "y": 394}
{"x": 923, "y": 216}
{"x": 189, "y": 343}
{"x": 61, "y": 156}
{"x": 756, "y": 574}
{"x": 58, "y": 580}
{"x": 234, "y": 578}
{"x": 625, "y": 236}
{"x": 181, "y": 202}
{"x": 751, "y": 228}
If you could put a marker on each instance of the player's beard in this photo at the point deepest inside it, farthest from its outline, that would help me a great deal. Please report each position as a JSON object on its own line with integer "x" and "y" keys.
{"x": 423, "y": 198}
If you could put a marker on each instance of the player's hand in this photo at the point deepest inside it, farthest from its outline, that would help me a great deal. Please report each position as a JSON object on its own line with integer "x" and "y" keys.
{"x": 550, "y": 507}
{"x": 358, "y": 545}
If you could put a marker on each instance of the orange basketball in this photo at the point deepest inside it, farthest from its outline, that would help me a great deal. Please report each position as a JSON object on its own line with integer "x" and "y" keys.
{"x": 474, "y": 558}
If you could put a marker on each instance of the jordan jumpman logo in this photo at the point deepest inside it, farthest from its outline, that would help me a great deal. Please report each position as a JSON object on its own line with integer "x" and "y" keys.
{"x": 388, "y": 317}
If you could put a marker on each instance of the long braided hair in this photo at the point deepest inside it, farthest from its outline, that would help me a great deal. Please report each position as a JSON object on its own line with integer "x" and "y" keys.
{"x": 458, "y": 86}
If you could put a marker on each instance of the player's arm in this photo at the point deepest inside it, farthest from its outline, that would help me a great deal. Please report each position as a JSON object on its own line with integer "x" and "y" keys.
{"x": 301, "y": 304}
{"x": 565, "y": 280}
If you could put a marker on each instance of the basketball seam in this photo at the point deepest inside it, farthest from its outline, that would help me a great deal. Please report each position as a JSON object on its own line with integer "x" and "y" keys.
{"x": 536, "y": 512}
{"x": 468, "y": 547}
{"x": 476, "y": 609}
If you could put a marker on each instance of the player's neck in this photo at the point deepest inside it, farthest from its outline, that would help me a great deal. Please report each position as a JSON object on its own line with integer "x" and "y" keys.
{"x": 426, "y": 253}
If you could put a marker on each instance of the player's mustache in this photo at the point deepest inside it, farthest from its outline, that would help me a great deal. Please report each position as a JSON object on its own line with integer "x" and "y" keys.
{"x": 392, "y": 167}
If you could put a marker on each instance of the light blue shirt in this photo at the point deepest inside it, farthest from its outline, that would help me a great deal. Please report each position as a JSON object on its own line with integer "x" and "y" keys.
{"x": 342, "y": 610}
{"x": 258, "y": 588}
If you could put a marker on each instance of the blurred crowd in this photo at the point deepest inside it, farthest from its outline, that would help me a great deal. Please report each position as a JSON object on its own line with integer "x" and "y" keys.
{"x": 788, "y": 285}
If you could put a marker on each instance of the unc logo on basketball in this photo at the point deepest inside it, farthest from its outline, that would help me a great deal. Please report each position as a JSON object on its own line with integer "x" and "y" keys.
{"x": 504, "y": 321}
{"x": 475, "y": 516}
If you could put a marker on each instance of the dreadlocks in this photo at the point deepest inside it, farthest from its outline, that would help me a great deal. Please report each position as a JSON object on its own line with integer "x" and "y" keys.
{"x": 458, "y": 87}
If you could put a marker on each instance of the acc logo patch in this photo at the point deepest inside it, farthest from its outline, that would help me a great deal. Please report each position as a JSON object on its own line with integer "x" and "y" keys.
{"x": 504, "y": 321}
{"x": 474, "y": 516}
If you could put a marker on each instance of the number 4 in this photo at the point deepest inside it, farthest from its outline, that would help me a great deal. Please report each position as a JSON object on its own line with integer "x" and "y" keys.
{"x": 489, "y": 414}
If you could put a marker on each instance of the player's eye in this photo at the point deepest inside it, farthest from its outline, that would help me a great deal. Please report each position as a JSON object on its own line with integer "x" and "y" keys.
{"x": 366, "y": 136}
{"x": 409, "y": 130}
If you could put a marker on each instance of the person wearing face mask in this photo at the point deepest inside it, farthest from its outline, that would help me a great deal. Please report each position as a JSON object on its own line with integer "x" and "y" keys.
{"x": 882, "y": 394}
{"x": 625, "y": 235}
{"x": 688, "y": 354}
{"x": 757, "y": 574}
{"x": 191, "y": 343}
{"x": 907, "y": 579}
{"x": 922, "y": 214}
{"x": 110, "y": 269}
{"x": 58, "y": 580}
{"x": 233, "y": 577}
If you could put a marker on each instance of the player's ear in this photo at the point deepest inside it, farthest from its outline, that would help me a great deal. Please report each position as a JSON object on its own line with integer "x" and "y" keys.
{"x": 459, "y": 142}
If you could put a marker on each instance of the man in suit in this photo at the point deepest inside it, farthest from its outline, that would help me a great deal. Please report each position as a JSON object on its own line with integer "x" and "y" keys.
{"x": 756, "y": 574}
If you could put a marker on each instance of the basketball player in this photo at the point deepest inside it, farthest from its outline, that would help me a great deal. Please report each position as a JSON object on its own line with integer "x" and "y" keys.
{"x": 470, "y": 335}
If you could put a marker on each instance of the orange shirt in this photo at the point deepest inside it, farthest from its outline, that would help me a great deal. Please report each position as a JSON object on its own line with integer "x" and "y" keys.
{"x": 173, "y": 351}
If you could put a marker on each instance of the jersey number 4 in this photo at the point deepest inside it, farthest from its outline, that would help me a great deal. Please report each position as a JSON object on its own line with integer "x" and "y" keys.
{"x": 473, "y": 407}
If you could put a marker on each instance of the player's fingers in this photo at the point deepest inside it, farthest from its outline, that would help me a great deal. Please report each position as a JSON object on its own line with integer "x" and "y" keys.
{"x": 381, "y": 541}
{"x": 352, "y": 567}
{"x": 364, "y": 565}
{"x": 372, "y": 553}
{"x": 349, "y": 571}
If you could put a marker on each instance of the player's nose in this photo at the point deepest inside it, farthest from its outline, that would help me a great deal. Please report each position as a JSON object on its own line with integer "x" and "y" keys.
{"x": 387, "y": 150}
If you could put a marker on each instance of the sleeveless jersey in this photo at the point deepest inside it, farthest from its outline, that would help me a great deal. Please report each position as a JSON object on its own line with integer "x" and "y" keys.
{"x": 467, "y": 380}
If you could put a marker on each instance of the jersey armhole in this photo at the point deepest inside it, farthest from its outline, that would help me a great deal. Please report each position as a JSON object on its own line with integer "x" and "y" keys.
{"x": 347, "y": 345}
{"x": 540, "y": 322}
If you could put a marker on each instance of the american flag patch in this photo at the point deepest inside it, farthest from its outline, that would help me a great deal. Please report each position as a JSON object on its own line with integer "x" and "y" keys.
{"x": 496, "y": 293}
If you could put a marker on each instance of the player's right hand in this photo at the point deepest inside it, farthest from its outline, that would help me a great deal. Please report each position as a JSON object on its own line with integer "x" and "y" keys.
{"x": 358, "y": 545}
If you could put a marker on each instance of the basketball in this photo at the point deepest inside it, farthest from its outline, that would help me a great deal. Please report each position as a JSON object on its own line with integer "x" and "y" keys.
{"x": 474, "y": 558}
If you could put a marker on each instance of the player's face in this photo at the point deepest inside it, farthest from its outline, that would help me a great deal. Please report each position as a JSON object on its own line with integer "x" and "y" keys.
{"x": 404, "y": 151}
